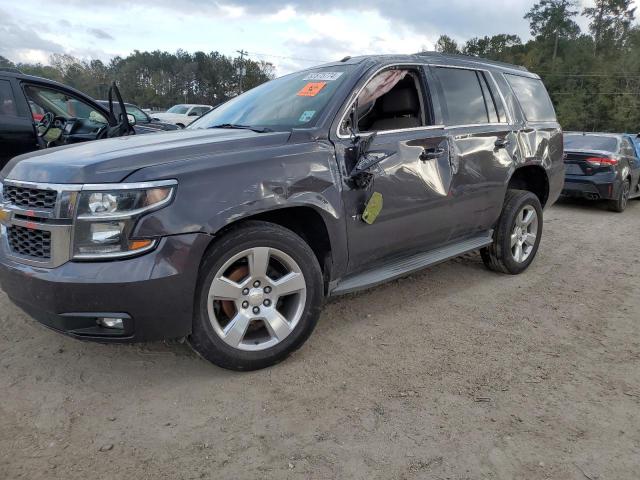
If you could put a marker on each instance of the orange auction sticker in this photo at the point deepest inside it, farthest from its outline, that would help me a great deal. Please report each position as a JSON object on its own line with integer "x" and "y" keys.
{"x": 311, "y": 89}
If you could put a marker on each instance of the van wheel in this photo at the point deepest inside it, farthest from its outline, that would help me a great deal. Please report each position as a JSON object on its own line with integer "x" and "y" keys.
{"x": 258, "y": 299}
{"x": 517, "y": 236}
{"x": 620, "y": 204}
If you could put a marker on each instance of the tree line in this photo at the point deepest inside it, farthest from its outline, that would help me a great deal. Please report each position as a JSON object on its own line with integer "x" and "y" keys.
{"x": 593, "y": 77}
{"x": 156, "y": 79}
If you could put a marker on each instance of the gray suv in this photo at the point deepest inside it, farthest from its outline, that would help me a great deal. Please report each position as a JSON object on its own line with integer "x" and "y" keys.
{"x": 233, "y": 232}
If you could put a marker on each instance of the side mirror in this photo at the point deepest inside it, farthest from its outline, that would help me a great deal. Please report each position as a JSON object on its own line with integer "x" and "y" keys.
{"x": 193, "y": 114}
{"x": 131, "y": 118}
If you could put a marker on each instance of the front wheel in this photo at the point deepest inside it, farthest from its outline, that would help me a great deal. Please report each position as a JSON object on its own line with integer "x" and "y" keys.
{"x": 517, "y": 235}
{"x": 259, "y": 297}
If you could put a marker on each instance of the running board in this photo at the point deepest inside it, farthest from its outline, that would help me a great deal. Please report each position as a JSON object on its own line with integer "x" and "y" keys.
{"x": 404, "y": 266}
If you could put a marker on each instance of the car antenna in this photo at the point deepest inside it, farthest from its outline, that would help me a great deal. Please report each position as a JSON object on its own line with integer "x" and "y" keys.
{"x": 348, "y": 57}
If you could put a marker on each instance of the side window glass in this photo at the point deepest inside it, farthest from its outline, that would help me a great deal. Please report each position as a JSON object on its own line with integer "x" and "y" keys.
{"x": 533, "y": 98}
{"x": 489, "y": 100}
{"x": 392, "y": 100}
{"x": 62, "y": 105}
{"x": 7, "y": 101}
{"x": 463, "y": 96}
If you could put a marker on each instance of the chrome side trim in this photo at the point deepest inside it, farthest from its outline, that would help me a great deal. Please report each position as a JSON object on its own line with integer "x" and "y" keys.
{"x": 104, "y": 187}
{"x": 58, "y": 187}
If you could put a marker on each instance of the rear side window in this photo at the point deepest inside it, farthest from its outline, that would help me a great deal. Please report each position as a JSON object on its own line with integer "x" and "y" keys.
{"x": 463, "y": 96}
{"x": 533, "y": 98}
{"x": 7, "y": 101}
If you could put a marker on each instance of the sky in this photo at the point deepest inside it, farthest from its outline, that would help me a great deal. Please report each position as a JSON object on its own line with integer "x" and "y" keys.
{"x": 290, "y": 34}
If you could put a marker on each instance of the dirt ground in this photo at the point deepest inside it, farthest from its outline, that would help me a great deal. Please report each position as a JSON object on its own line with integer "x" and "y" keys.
{"x": 453, "y": 373}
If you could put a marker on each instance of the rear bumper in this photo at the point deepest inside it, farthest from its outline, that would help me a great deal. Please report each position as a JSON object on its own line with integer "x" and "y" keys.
{"x": 153, "y": 293}
{"x": 598, "y": 186}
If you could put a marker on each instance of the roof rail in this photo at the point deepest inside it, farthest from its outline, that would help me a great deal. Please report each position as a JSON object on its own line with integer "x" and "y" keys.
{"x": 10, "y": 70}
{"x": 474, "y": 59}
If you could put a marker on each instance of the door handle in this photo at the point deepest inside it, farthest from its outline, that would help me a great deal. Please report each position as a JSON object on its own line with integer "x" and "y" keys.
{"x": 501, "y": 143}
{"x": 431, "y": 153}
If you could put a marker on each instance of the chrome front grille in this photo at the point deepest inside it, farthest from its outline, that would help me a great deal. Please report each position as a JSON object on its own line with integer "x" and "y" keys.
{"x": 36, "y": 222}
{"x": 30, "y": 197}
{"x": 30, "y": 242}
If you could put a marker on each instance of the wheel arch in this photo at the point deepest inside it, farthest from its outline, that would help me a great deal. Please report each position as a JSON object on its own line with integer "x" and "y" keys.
{"x": 306, "y": 222}
{"x": 532, "y": 178}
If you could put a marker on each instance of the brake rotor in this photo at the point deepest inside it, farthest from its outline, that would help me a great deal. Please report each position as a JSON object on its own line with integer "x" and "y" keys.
{"x": 228, "y": 306}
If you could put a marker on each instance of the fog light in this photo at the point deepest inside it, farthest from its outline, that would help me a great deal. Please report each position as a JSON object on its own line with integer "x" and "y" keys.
{"x": 117, "y": 323}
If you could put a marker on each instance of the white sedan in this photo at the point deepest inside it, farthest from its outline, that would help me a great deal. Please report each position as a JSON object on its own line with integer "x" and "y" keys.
{"x": 183, "y": 114}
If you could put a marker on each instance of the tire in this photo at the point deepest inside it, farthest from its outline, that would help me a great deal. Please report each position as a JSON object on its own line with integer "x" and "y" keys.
{"x": 502, "y": 255}
{"x": 275, "y": 323}
{"x": 620, "y": 204}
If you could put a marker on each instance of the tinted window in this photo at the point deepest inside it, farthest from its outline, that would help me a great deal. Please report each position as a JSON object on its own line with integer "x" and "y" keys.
{"x": 533, "y": 98}
{"x": 7, "y": 102}
{"x": 463, "y": 96}
{"x": 489, "y": 99}
{"x": 591, "y": 142}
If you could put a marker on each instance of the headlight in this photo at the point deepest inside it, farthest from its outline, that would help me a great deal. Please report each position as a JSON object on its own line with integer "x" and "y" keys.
{"x": 106, "y": 216}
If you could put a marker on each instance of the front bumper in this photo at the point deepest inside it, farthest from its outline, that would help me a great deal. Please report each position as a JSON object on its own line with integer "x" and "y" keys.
{"x": 154, "y": 293}
{"x": 598, "y": 186}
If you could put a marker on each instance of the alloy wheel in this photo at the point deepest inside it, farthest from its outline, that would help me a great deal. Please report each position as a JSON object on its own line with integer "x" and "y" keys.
{"x": 256, "y": 298}
{"x": 524, "y": 234}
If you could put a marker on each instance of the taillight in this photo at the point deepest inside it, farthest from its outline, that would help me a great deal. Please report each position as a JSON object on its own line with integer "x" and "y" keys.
{"x": 601, "y": 161}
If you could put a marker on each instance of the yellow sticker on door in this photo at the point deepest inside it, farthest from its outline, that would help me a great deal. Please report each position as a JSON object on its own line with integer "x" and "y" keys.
{"x": 373, "y": 208}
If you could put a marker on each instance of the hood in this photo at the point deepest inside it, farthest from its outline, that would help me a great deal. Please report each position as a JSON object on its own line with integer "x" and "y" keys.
{"x": 112, "y": 160}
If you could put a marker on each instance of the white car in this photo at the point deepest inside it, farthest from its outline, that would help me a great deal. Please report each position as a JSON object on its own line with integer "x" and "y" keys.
{"x": 183, "y": 114}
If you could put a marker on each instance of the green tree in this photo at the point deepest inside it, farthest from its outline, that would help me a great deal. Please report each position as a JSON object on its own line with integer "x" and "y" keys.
{"x": 610, "y": 22}
{"x": 552, "y": 20}
{"x": 446, "y": 44}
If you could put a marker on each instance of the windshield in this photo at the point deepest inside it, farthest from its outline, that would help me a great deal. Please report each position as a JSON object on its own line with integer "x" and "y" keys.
{"x": 293, "y": 101}
{"x": 591, "y": 142}
{"x": 179, "y": 109}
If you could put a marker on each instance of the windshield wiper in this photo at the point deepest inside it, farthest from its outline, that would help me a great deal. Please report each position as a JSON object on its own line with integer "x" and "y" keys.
{"x": 243, "y": 127}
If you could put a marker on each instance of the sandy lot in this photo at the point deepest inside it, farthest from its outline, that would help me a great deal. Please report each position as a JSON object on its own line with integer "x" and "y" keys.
{"x": 454, "y": 373}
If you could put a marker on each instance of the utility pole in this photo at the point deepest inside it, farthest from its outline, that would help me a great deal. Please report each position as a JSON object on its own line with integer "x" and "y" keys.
{"x": 241, "y": 70}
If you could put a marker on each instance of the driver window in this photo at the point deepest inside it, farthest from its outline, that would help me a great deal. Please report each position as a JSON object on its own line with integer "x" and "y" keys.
{"x": 61, "y": 104}
{"x": 392, "y": 100}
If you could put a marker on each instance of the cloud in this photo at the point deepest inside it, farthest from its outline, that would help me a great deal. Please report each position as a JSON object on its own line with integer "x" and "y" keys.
{"x": 22, "y": 42}
{"x": 99, "y": 33}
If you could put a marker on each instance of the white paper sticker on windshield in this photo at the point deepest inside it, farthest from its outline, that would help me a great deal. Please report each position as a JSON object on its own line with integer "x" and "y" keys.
{"x": 324, "y": 76}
